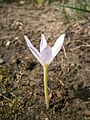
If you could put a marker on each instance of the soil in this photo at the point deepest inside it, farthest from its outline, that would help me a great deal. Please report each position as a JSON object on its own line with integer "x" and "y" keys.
{"x": 21, "y": 75}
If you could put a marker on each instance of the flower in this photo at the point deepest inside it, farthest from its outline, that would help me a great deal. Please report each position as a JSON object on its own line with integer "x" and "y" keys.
{"x": 45, "y": 57}
{"x": 46, "y": 54}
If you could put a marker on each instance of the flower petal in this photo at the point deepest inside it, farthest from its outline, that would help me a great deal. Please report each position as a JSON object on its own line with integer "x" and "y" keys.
{"x": 57, "y": 46}
{"x": 43, "y": 43}
{"x": 46, "y": 55}
{"x": 34, "y": 51}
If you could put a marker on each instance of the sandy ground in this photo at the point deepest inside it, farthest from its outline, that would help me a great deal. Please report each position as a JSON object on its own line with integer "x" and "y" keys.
{"x": 21, "y": 75}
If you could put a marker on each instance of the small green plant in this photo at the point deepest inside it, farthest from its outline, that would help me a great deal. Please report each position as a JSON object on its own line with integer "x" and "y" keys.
{"x": 40, "y": 1}
{"x": 45, "y": 57}
{"x": 74, "y": 8}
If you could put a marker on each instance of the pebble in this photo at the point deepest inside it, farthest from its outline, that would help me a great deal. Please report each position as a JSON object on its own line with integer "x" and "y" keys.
{"x": 82, "y": 22}
{"x": 16, "y": 38}
{"x": 16, "y": 25}
{"x": 20, "y": 28}
{"x": 22, "y": 2}
{"x": 8, "y": 44}
{"x": 1, "y": 61}
{"x": 46, "y": 118}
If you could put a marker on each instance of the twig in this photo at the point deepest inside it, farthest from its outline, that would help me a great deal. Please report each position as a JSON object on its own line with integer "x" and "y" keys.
{"x": 68, "y": 42}
{"x": 79, "y": 47}
{"x": 12, "y": 94}
{"x": 5, "y": 37}
{"x": 85, "y": 43}
{"x": 75, "y": 68}
{"x": 6, "y": 98}
{"x": 61, "y": 83}
{"x": 64, "y": 52}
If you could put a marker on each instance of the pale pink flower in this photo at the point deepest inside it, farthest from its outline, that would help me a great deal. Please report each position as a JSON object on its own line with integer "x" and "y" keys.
{"x": 46, "y": 54}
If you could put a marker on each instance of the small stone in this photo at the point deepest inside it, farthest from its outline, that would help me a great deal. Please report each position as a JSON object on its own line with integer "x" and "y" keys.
{"x": 20, "y": 28}
{"x": 82, "y": 22}
{"x": 46, "y": 118}
{"x": 37, "y": 117}
{"x": 1, "y": 61}
{"x": 7, "y": 44}
{"x": 22, "y": 2}
{"x": 16, "y": 38}
{"x": 86, "y": 30}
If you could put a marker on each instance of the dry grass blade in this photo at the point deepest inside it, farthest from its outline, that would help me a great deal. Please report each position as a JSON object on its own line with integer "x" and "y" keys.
{"x": 79, "y": 47}
{"x": 61, "y": 83}
{"x": 64, "y": 51}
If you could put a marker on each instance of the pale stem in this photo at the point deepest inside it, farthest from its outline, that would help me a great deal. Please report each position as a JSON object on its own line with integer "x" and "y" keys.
{"x": 45, "y": 67}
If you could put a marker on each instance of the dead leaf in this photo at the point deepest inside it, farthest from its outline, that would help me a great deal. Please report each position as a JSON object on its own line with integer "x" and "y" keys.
{"x": 50, "y": 95}
{"x": 58, "y": 93}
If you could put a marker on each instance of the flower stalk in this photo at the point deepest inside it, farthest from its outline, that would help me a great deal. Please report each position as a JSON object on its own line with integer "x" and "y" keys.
{"x": 45, "y": 67}
{"x": 45, "y": 57}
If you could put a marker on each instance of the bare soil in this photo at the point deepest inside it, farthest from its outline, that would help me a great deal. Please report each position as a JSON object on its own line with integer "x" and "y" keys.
{"x": 21, "y": 75}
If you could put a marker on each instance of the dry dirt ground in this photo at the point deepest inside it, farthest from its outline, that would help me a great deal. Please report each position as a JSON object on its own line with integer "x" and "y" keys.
{"x": 21, "y": 75}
